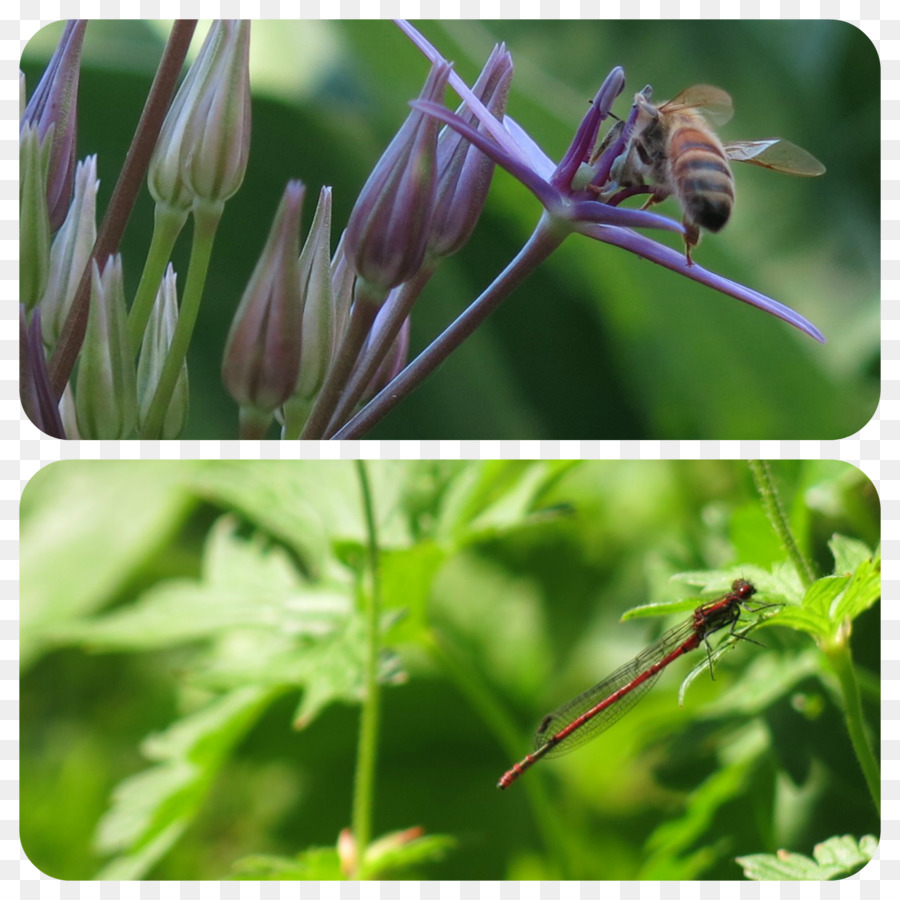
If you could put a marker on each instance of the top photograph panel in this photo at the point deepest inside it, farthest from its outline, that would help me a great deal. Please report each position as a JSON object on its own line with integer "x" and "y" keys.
{"x": 290, "y": 229}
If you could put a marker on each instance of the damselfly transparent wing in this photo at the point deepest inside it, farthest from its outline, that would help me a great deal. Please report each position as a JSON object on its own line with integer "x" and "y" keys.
{"x": 641, "y": 672}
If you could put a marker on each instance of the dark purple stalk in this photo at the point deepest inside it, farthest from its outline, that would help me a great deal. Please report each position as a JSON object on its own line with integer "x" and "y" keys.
{"x": 123, "y": 198}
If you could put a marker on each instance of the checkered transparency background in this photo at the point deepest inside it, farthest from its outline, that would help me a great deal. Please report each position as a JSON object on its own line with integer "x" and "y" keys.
{"x": 875, "y": 449}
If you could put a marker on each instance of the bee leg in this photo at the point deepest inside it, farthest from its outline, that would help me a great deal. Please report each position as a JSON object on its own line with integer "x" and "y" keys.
{"x": 691, "y": 239}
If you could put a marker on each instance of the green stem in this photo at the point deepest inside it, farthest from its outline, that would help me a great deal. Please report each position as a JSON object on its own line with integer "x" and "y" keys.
{"x": 497, "y": 719}
{"x": 768, "y": 492}
{"x": 167, "y": 225}
{"x": 839, "y": 657}
{"x": 207, "y": 216}
{"x": 364, "y": 788}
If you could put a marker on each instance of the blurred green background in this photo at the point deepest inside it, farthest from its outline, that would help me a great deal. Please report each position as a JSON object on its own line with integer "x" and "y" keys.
{"x": 151, "y": 592}
{"x": 596, "y": 344}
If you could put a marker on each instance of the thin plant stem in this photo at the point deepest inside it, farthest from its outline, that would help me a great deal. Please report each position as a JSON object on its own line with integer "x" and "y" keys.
{"x": 207, "y": 216}
{"x": 839, "y": 657}
{"x": 122, "y": 201}
{"x": 364, "y": 785}
{"x": 167, "y": 225}
{"x": 771, "y": 501}
{"x": 497, "y": 719}
{"x": 543, "y": 241}
{"x": 376, "y": 352}
{"x": 362, "y": 315}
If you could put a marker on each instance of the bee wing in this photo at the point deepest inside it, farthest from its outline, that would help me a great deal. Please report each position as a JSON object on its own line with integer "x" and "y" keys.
{"x": 712, "y": 102}
{"x": 781, "y": 156}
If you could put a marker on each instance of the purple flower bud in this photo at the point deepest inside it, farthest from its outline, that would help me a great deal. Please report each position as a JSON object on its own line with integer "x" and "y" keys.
{"x": 205, "y": 139}
{"x": 464, "y": 172}
{"x": 262, "y": 354}
{"x": 54, "y": 105}
{"x": 388, "y": 228}
{"x": 105, "y": 391}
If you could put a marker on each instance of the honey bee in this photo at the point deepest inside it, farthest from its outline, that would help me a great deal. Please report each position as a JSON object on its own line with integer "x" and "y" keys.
{"x": 674, "y": 150}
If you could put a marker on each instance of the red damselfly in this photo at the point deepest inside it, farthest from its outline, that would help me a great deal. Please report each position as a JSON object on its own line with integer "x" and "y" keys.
{"x": 605, "y": 703}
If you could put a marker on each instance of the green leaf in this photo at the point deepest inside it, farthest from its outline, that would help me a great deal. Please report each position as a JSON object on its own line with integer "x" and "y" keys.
{"x": 310, "y": 504}
{"x": 863, "y": 591}
{"x": 495, "y": 496}
{"x": 246, "y": 585}
{"x": 848, "y": 554}
{"x": 75, "y": 554}
{"x": 407, "y": 577}
{"x": 314, "y": 864}
{"x": 152, "y": 809}
{"x": 837, "y": 857}
{"x": 397, "y": 855}
{"x": 674, "y": 837}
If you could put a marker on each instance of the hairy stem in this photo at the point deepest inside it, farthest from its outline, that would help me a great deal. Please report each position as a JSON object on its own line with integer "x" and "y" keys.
{"x": 771, "y": 501}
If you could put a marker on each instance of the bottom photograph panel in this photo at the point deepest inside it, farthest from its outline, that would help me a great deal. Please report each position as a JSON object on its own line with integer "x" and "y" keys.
{"x": 392, "y": 670}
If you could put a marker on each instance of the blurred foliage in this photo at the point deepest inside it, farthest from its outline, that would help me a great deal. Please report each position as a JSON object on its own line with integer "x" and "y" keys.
{"x": 597, "y": 343}
{"x": 157, "y": 711}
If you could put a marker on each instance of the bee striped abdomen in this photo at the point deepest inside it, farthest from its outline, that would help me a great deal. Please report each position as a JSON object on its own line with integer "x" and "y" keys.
{"x": 701, "y": 172}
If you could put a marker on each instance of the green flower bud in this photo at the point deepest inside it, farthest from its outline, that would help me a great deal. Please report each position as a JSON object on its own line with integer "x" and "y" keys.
{"x": 205, "y": 139}
{"x": 71, "y": 251}
{"x": 154, "y": 350}
{"x": 34, "y": 222}
{"x": 105, "y": 390}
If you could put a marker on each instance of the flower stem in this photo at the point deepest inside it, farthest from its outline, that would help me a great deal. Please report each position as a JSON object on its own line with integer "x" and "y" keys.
{"x": 362, "y": 315}
{"x": 771, "y": 501}
{"x": 497, "y": 719}
{"x": 838, "y": 655}
{"x": 207, "y": 216}
{"x": 376, "y": 352}
{"x": 167, "y": 225}
{"x": 364, "y": 787}
{"x": 122, "y": 201}
{"x": 543, "y": 241}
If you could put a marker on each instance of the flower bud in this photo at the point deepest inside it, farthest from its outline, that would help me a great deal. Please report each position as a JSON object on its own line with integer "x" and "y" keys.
{"x": 154, "y": 350}
{"x": 205, "y": 139}
{"x": 343, "y": 276}
{"x": 464, "y": 172}
{"x": 105, "y": 391}
{"x": 54, "y": 105}
{"x": 34, "y": 223}
{"x": 71, "y": 251}
{"x": 262, "y": 354}
{"x": 317, "y": 341}
{"x": 389, "y": 225}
